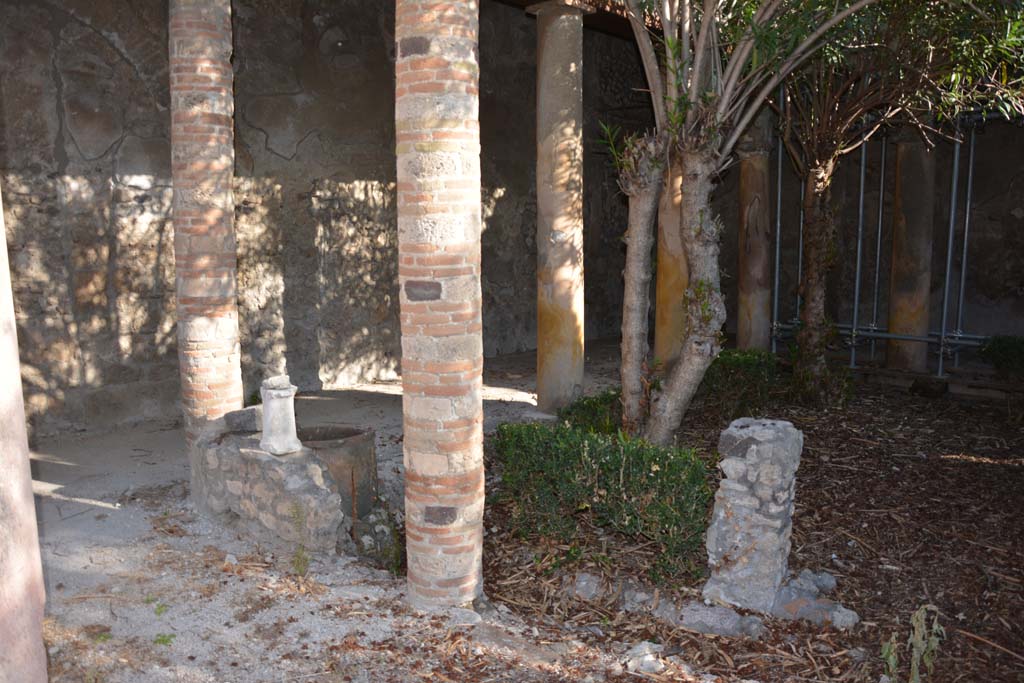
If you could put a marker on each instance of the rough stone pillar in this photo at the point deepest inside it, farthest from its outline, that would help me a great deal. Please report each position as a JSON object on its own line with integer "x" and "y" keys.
{"x": 754, "y": 319}
{"x": 672, "y": 275}
{"x": 559, "y": 202}
{"x": 749, "y": 537}
{"x": 202, "y": 166}
{"x": 910, "y": 283}
{"x": 438, "y": 149}
{"x": 22, "y": 595}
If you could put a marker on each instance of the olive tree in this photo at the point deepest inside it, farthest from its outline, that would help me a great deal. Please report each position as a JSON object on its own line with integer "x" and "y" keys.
{"x": 710, "y": 65}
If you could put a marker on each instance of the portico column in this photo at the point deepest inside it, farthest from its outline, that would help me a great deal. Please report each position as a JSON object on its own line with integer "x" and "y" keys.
{"x": 202, "y": 167}
{"x": 22, "y": 595}
{"x": 559, "y": 202}
{"x": 913, "y": 224}
{"x": 754, "y": 319}
{"x": 672, "y": 274}
{"x": 438, "y": 150}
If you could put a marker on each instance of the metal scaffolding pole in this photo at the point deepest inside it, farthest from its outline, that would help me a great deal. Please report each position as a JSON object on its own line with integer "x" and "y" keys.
{"x": 800, "y": 255}
{"x": 878, "y": 241}
{"x": 778, "y": 229}
{"x": 967, "y": 232}
{"x": 860, "y": 253}
{"x": 949, "y": 255}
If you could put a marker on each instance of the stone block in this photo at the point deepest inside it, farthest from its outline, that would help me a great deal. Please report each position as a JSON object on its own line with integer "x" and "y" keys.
{"x": 748, "y": 541}
{"x": 245, "y": 420}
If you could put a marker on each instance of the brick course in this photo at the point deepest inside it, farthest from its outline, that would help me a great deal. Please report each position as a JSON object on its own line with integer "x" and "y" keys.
{"x": 202, "y": 166}
{"x": 439, "y": 220}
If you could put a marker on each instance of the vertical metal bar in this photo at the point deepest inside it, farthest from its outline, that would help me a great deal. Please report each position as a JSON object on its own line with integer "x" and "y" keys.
{"x": 878, "y": 241}
{"x": 963, "y": 258}
{"x": 949, "y": 254}
{"x": 800, "y": 254}
{"x": 860, "y": 253}
{"x": 778, "y": 230}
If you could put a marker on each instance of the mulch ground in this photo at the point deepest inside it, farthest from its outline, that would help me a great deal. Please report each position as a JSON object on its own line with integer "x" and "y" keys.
{"x": 907, "y": 500}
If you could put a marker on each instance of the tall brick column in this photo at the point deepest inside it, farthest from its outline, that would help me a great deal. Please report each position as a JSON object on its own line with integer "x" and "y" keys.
{"x": 911, "y": 280}
{"x": 438, "y": 150}
{"x": 754, "y": 322}
{"x": 22, "y": 596}
{"x": 202, "y": 166}
{"x": 559, "y": 202}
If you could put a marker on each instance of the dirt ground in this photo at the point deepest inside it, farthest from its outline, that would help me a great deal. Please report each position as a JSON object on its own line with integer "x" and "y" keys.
{"x": 907, "y": 500}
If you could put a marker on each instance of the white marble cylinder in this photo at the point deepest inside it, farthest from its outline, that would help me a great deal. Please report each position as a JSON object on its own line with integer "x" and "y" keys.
{"x": 279, "y": 435}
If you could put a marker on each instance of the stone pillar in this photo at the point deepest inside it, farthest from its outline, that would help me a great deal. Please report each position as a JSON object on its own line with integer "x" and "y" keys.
{"x": 672, "y": 275}
{"x": 910, "y": 283}
{"x": 203, "y": 209}
{"x": 559, "y": 203}
{"x": 754, "y": 319}
{"x": 22, "y": 595}
{"x": 439, "y": 222}
{"x": 749, "y": 537}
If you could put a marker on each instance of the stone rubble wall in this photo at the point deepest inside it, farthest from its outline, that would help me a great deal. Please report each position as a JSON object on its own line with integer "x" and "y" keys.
{"x": 289, "y": 498}
{"x": 85, "y": 168}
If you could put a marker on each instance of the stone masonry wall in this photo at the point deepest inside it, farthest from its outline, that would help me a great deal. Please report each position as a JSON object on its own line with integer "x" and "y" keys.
{"x": 85, "y": 169}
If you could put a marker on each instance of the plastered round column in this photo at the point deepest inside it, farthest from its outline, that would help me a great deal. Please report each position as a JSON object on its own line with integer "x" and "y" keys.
{"x": 202, "y": 167}
{"x": 22, "y": 595}
{"x": 913, "y": 226}
{"x": 560, "y": 324}
{"x": 672, "y": 275}
{"x": 754, "y": 316}
{"x": 438, "y": 160}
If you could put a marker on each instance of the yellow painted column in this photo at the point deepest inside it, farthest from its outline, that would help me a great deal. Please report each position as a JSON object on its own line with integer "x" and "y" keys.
{"x": 754, "y": 315}
{"x": 559, "y": 202}
{"x": 671, "y": 274}
{"x": 913, "y": 225}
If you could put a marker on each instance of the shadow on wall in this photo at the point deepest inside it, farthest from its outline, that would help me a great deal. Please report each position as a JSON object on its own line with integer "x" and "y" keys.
{"x": 85, "y": 167}
{"x": 83, "y": 160}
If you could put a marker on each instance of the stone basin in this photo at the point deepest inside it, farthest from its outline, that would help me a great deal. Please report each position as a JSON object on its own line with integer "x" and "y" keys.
{"x": 350, "y": 457}
{"x": 310, "y": 497}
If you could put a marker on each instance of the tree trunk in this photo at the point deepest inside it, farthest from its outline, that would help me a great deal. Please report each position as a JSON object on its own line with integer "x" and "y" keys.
{"x": 819, "y": 255}
{"x": 704, "y": 304}
{"x": 641, "y": 167}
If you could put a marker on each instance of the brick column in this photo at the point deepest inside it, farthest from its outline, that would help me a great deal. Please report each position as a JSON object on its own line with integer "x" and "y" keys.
{"x": 22, "y": 595}
{"x": 202, "y": 166}
{"x": 559, "y": 202}
{"x": 910, "y": 283}
{"x": 754, "y": 319}
{"x": 438, "y": 149}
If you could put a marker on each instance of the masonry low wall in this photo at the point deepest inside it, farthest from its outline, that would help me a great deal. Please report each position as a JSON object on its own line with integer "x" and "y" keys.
{"x": 289, "y": 498}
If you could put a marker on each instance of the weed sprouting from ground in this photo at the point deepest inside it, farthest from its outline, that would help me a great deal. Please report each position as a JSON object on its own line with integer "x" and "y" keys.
{"x": 922, "y": 644}
{"x": 300, "y": 558}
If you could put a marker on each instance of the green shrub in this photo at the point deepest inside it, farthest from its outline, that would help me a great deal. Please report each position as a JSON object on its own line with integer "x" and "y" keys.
{"x": 739, "y": 383}
{"x": 601, "y": 413}
{"x": 1006, "y": 354}
{"x": 557, "y": 476}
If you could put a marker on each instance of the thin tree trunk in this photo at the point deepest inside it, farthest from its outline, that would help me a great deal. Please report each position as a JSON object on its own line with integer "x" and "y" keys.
{"x": 704, "y": 303}
{"x": 641, "y": 167}
{"x": 819, "y": 254}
